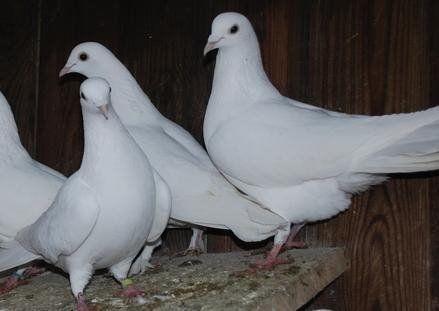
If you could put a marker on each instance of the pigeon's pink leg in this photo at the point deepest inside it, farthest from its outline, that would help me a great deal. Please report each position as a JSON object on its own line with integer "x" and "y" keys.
{"x": 81, "y": 304}
{"x": 271, "y": 260}
{"x": 129, "y": 290}
{"x": 10, "y": 283}
{"x": 19, "y": 278}
{"x": 196, "y": 246}
{"x": 290, "y": 243}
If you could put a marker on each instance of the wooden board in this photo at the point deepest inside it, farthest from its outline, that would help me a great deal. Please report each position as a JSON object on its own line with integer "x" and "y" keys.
{"x": 208, "y": 282}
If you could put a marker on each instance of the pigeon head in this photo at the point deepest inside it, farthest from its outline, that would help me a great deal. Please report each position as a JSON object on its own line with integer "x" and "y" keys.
{"x": 95, "y": 95}
{"x": 92, "y": 59}
{"x": 229, "y": 30}
{"x": 89, "y": 59}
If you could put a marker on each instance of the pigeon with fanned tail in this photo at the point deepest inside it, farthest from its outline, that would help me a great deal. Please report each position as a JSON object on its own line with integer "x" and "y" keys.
{"x": 27, "y": 190}
{"x": 300, "y": 161}
{"x": 105, "y": 212}
{"x": 200, "y": 194}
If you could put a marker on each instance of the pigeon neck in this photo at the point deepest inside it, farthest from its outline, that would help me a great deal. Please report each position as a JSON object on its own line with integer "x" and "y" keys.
{"x": 239, "y": 69}
{"x": 102, "y": 138}
{"x": 130, "y": 102}
{"x": 11, "y": 148}
{"x": 239, "y": 82}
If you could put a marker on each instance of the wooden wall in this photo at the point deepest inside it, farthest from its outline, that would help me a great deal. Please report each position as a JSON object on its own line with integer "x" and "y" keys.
{"x": 356, "y": 56}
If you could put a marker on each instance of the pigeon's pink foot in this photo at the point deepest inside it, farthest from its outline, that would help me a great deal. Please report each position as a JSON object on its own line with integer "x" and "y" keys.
{"x": 271, "y": 261}
{"x": 130, "y": 292}
{"x": 295, "y": 244}
{"x": 191, "y": 252}
{"x": 10, "y": 283}
{"x": 19, "y": 278}
{"x": 81, "y": 304}
{"x": 155, "y": 265}
{"x": 33, "y": 271}
{"x": 291, "y": 243}
{"x": 196, "y": 246}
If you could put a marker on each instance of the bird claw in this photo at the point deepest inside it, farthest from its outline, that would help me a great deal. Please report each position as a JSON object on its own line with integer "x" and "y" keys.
{"x": 130, "y": 292}
{"x": 191, "y": 252}
{"x": 18, "y": 279}
{"x": 194, "y": 252}
{"x": 10, "y": 283}
{"x": 140, "y": 267}
{"x": 81, "y": 304}
{"x": 295, "y": 244}
{"x": 268, "y": 263}
{"x": 33, "y": 271}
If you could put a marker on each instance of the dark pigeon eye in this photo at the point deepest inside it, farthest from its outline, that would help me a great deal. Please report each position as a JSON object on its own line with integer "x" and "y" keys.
{"x": 83, "y": 56}
{"x": 82, "y": 96}
{"x": 234, "y": 29}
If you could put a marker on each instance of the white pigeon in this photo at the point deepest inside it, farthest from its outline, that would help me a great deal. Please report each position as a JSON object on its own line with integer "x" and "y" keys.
{"x": 104, "y": 213}
{"x": 200, "y": 194}
{"x": 27, "y": 188}
{"x": 300, "y": 161}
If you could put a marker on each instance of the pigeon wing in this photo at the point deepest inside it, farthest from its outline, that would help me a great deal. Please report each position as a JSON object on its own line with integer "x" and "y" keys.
{"x": 162, "y": 209}
{"x": 63, "y": 228}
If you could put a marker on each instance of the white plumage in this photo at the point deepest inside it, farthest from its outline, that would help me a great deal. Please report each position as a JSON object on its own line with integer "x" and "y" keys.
{"x": 27, "y": 189}
{"x": 200, "y": 194}
{"x": 300, "y": 161}
{"x": 105, "y": 212}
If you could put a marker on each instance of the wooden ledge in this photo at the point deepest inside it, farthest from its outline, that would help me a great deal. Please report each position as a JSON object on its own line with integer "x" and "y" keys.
{"x": 207, "y": 282}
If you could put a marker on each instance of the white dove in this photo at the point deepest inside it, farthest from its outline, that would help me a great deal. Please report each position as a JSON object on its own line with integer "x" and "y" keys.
{"x": 103, "y": 214}
{"x": 200, "y": 194}
{"x": 27, "y": 190}
{"x": 300, "y": 161}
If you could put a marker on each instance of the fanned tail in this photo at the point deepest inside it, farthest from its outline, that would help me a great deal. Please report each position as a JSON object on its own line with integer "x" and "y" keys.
{"x": 417, "y": 151}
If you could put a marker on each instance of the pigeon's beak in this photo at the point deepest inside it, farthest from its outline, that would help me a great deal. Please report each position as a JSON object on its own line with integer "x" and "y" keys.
{"x": 104, "y": 110}
{"x": 65, "y": 70}
{"x": 212, "y": 43}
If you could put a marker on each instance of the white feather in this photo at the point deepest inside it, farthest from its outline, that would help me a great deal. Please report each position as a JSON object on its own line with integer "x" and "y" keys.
{"x": 27, "y": 189}
{"x": 300, "y": 161}
{"x": 200, "y": 194}
{"x": 103, "y": 214}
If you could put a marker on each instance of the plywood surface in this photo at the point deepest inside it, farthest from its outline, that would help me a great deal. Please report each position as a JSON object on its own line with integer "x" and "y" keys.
{"x": 208, "y": 282}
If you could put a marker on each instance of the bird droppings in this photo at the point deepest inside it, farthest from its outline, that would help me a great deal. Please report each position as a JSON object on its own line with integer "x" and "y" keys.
{"x": 208, "y": 282}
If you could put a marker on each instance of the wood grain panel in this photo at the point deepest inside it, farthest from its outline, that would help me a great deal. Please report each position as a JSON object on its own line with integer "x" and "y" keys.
{"x": 372, "y": 57}
{"x": 65, "y": 24}
{"x": 19, "y": 62}
{"x": 433, "y": 27}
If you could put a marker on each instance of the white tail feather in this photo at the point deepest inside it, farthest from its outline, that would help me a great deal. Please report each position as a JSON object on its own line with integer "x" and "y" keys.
{"x": 418, "y": 151}
{"x": 230, "y": 210}
{"x": 14, "y": 255}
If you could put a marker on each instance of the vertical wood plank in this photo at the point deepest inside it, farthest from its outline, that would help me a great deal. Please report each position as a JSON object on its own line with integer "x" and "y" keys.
{"x": 372, "y": 57}
{"x": 18, "y": 64}
{"x": 65, "y": 24}
{"x": 433, "y": 27}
